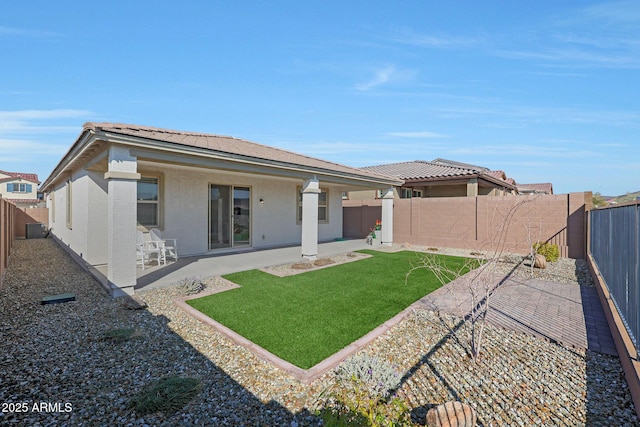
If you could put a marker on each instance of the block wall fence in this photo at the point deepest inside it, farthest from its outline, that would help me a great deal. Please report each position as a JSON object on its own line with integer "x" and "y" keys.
{"x": 490, "y": 223}
{"x": 13, "y": 221}
{"x": 7, "y": 233}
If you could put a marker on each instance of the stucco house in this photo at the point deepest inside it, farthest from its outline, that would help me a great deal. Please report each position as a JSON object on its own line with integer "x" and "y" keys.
{"x": 441, "y": 178}
{"x": 213, "y": 193}
{"x": 20, "y": 188}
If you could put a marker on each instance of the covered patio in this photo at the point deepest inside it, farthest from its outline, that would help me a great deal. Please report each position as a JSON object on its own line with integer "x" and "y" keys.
{"x": 214, "y": 194}
{"x": 204, "y": 266}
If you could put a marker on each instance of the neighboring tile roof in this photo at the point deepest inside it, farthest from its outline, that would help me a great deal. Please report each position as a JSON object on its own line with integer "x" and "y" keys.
{"x": 497, "y": 174}
{"x": 544, "y": 187}
{"x": 228, "y": 145}
{"x": 420, "y": 169}
{"x": 455, "y": 164}
{"x": 27, "y": 176}
{"x": 25, "y": 201}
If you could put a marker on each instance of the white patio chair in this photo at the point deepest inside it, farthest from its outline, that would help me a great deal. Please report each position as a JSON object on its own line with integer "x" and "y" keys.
{"x": 169, "y": 247}
{"x": 144, "y": 250}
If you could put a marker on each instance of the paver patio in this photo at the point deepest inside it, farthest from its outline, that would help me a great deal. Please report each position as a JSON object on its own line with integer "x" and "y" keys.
{"x": 559, "y": 312}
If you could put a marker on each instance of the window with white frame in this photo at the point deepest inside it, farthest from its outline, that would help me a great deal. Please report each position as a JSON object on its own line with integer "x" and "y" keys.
{"x": 406, "y": 193}
{"x": 19, "y": 187}
{"x": 148, "y": 206}
{"x": 323, "y": 205}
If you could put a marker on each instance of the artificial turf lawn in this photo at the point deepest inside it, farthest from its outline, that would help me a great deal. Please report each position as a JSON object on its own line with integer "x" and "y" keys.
{"x": 307, "y": 317}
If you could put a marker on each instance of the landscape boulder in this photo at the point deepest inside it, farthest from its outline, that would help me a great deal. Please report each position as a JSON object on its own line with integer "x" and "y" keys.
{"x": 451, "y": 414}
{"x": 540, "y": 261}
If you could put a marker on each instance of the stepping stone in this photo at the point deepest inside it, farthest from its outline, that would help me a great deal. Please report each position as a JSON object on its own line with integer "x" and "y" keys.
{"x": 55, "y": 299}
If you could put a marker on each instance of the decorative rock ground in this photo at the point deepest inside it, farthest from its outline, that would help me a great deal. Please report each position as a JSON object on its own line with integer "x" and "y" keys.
{"x": 55, "y": 353}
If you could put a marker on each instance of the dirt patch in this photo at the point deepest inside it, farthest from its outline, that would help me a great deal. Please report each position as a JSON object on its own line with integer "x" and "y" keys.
{"x": 301, "y": 267}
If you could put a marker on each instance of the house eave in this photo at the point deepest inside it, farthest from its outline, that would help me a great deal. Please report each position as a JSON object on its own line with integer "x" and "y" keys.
{"x": 460, "y": 179}
{"x": 168, "y": 152}
{"x": 91, "y": 140}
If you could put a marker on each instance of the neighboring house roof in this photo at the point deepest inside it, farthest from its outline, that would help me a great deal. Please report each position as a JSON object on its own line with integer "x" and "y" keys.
{"x": 455, "y": 164}
{"x": 540, "y": 188}
{"x": 419, "y": 169}
{"x": 26, "y": 176}
{"x": 25, "y": 201}
{"x": 498, "y": 174}
{"x": 218, "y": 147}
{"x": 439, "y": 169}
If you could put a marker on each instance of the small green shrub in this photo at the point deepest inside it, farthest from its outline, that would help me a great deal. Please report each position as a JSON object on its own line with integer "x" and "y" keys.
{"x": 168, "y": 394}
{"x": 548, "y": 250}
{"x": 191, "y": 285}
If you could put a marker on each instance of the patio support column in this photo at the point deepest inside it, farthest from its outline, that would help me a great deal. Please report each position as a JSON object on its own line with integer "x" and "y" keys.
{"x": 122, "y": 188}
{"x": 310, "y": 191}
{"x": 387, "y": 217}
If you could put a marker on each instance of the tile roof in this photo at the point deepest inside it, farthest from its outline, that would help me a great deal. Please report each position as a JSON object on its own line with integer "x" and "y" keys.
{"x": 27, "y": 176}
{"x": 543, "y": 187}
{"x": 455, "y": 164}
{"x": 421, "y": 169}
{"x": 25, "y": 201}
{"x": 497, "y": 174}
{"x": 229, "y": 145}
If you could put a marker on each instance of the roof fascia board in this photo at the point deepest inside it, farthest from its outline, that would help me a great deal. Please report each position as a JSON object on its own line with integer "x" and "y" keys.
{"x": 176, "y": 157}
{"x": 461, "y": 179}
{"x": 82, "y": 143}
{"x": 496, "y": 181}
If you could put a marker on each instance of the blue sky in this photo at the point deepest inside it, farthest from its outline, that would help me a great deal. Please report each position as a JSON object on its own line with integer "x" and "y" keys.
{"x": 548, "y": 91}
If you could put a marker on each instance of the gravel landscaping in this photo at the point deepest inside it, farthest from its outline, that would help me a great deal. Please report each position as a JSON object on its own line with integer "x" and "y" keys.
{"x": 60, "y": 366}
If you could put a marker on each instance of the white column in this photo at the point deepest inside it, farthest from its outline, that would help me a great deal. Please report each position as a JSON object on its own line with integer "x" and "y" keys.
{"x": 122, "y": 197}
{"x": 310, "y": 191}
{"x": 387, "y": 217}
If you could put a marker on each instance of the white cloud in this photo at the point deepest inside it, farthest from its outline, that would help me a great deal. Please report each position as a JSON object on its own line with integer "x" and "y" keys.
{"x": 382, "y": 76}
{"x": 421, "y": 134}
{"x": 10, "y": 31}
{"x": 410, "y": 37}
{"x": 38, "y": 121}
{"x": 10, "y": 147}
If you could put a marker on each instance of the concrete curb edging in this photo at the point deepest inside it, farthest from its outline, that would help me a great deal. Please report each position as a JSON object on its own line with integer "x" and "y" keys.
{"x": 305, "y": 376}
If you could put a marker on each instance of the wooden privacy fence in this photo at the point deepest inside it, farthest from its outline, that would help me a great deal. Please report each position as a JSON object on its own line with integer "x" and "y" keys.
{"x": 501, "y": 223}
{"x": 7, "y": 233}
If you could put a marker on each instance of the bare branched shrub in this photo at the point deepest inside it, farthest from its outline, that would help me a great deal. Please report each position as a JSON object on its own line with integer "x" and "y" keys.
{"x": 480, "y": 283}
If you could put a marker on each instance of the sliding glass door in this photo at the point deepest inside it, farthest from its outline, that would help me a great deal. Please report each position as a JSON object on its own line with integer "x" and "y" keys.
{"x": 229, "y": 216}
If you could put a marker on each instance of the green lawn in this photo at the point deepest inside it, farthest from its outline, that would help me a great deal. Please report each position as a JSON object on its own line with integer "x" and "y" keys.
{"x": 307, "y": 317}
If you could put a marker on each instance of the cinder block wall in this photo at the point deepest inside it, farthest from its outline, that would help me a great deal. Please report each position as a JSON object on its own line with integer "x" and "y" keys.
{"x": 494, "y": 223}
{"x": 29, "y": 216}
{"x": 7, "y": 233}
